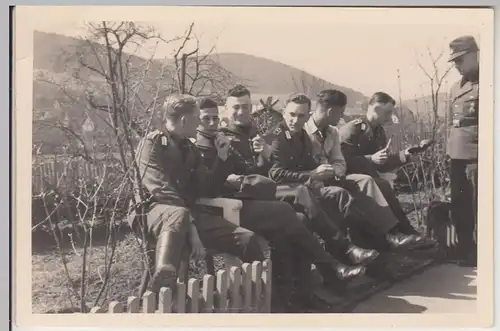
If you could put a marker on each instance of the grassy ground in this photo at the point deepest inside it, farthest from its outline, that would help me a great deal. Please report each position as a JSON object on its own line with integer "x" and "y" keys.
{"x": 52, "y": 293}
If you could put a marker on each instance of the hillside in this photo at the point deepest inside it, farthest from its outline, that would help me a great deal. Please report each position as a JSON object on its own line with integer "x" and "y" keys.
{"x": 268, "y": 77}
{"x": 60, "y": 84}
{"x": 423, "y": 105}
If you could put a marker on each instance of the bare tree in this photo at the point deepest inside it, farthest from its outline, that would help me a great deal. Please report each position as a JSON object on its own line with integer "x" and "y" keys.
{"x": 436, "y": 77}
{"x": 198, "y": 72}
{"x": 113, "y": 96}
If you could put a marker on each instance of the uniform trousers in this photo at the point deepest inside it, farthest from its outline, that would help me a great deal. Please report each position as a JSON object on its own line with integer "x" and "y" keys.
{"x": 464, "y": 203}
{"x": 404, "y": 225}
{"x": 217, "y": 234}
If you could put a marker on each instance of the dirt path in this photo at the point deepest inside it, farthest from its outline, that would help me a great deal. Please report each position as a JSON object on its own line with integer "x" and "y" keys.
{"x": 440, "y": 289}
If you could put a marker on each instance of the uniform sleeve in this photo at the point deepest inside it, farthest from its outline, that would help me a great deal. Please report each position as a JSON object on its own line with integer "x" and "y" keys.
{"x": 280, "y": 164}
{"x": 356, "y": 161}
{"x": 394, "y": 160}
{"x": 449, "y": 109}
{"x": 153, "y": 175}
{"x": 335, "y": 157}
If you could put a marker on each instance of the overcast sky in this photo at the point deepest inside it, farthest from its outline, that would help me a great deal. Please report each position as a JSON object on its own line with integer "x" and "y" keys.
{"x": 362, "y": 51}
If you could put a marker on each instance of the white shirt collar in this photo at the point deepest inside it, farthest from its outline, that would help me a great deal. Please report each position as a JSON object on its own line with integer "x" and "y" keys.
{"x": 310, "y": 126}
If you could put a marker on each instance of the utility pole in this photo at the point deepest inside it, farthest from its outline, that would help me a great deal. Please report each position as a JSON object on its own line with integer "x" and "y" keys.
{"x": 183, "y": 73}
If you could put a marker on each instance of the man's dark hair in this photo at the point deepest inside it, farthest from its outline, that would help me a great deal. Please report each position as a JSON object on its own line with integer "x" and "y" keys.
{"x": 299, "y": 98}
{"x": 381, "y": 97}
{"x": 332, "y": 98}
{"x": 238, "y": 91}
{"x": 206, "y": 103}
{"x": 177, "y": 105}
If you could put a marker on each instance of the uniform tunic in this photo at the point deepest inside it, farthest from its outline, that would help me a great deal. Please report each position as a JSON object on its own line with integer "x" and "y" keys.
{"x": 293, "y": 162}
{"x": 359, "y": 141}
{"x": 173, "y": 177}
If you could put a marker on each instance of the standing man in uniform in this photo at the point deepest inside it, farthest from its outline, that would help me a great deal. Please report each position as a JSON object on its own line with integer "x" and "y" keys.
{"x": 462, "y": 146}
{"x": 365, "y": 146}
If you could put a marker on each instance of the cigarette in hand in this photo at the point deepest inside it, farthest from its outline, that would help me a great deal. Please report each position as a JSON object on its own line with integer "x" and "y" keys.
{"x": 388, "y": 144}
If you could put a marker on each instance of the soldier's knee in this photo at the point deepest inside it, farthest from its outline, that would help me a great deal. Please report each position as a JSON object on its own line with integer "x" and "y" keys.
{"x": 334, "y": 192}
{"x": 366, "y": 179}
{"x": 252, "y": 246}
{"x": 303, "y": 220}
{"x": 177, "y": 220}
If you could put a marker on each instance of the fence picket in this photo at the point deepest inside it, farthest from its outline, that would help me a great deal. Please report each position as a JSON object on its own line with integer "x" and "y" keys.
{"x": 181, "y": 297}
{"x": 208, "y": 294}
{"x": 247, "y": 287}
{"x": 222, "y": 291}
{"x": 165, "y": 300}
{"x": 257, "y": 284}
{"x": 133, "y": 304}
{"x": 97, "y": 310}
{"x": 194, "y": 295}
{"x": 115, "y": 307}
{"x": 149, "y": 302}
{"x": 267, "y": 280}
{"x": 235, "y": 290}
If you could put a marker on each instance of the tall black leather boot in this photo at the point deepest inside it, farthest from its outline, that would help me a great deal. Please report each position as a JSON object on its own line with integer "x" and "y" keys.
{"x": 169, "y": 247}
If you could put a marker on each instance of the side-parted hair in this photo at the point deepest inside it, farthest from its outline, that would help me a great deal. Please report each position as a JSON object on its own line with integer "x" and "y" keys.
{"x": 332, "y": 98}
{"x": 238, "y": 91}
{"x": 298, "y": 98}
{"x": 205, "y": 103}
{"x": 381, "y": 97}
{"x": 177, "y": 105}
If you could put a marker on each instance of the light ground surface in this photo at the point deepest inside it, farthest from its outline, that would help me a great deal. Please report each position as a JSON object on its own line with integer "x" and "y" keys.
{"x": 440, "y": 289}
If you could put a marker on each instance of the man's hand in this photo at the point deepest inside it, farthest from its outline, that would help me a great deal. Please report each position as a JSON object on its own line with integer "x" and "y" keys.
{"x": 222, "y": 145}
{"x": 323, "y": 172}
{"x": 197, "y": 248}
{"x": 259, "y": 145}
{"x": 380, "y": 157}
{"x": 422, "y": 147}
{"x": 235, "y": 180}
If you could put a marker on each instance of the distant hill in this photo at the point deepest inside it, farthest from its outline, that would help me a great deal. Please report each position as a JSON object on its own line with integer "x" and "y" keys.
{"x": 423, "y": 105}
{"x": 56, "y": 64}
{"x": 268, "y": 77}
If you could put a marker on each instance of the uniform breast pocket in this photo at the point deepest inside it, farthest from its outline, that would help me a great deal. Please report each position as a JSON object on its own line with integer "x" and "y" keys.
{"x": 470, "y": 106}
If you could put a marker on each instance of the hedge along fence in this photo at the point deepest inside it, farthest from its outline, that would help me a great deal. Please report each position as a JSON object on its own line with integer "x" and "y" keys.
{"x": 245, "y": 289}
{"x": 63, "y": 173}
{"x": 60, "y": 186}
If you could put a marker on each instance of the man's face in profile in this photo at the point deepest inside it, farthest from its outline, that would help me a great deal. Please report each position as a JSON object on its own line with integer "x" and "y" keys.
{"x": 382, "y": 111}
{"x": 335, "y": 113}
{"x": 191, "y": 121}
{"x": 467, "y": 63}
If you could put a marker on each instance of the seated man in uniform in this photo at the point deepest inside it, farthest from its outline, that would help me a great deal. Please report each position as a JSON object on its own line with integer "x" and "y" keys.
{"x": 172, "y": 176}
{"x": 364, "y": 146}
{"x": 261, "y": 211}
{"x": 293, "y": 162}
{"x": 326, "y": 149}
{"x": 252, "y": 156}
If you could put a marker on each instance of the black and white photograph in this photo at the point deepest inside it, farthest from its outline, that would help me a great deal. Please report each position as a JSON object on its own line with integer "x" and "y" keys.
{"x": 256, "y": 160}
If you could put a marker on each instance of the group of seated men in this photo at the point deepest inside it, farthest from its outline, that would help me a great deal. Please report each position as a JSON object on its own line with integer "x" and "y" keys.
{"x": 308, "y": 177}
